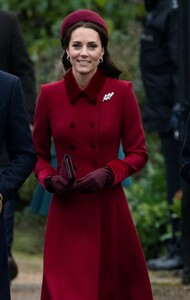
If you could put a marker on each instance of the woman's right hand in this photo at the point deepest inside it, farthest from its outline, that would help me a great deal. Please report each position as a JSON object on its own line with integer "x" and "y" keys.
{"x": 57, "y": 184}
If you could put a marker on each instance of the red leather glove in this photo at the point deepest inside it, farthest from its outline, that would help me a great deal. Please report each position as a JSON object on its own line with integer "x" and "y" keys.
{"x": 57, "y": 184}
{"x": 93, "y": 181}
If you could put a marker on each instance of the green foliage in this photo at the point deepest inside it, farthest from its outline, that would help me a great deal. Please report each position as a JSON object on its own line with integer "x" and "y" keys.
{"x": 175, "y": 207}
{"x": 124, "y": 48}
{"x": 147, "y": 201}
{"x": 41, "y": 21}
{"x": 29, "y": 232}
{"x": 27, "y": 188}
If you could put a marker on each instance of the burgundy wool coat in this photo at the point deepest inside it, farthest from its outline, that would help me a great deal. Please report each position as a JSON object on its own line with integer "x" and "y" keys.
{"x": 92, "y": 250}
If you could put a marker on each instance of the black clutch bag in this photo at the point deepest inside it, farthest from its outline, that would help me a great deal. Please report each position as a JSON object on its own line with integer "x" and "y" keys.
{"x": 69, "y": 169}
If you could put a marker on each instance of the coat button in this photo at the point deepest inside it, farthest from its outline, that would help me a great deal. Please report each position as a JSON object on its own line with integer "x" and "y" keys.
{"x": 72, "y": 125}
{"x": 72, "y": 146}
{"x": 91, "y": 124}
{"x": 94, "y": 165}
{"x": 92, "y": 146}
{"x": 73, "y": 102}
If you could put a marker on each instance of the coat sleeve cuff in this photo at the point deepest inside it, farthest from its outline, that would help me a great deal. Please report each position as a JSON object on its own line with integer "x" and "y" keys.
{"x": 119, "y": 170}
{"x": 44, "y": 173}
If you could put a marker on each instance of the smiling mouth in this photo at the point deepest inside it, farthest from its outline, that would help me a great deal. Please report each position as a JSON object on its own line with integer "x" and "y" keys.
{"x": 83, "y": 62}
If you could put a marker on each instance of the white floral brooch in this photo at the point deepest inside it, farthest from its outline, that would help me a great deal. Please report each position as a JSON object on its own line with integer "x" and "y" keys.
{"x": 107, "y": 96}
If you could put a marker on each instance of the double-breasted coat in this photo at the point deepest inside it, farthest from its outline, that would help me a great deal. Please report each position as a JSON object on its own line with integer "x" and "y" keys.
{"x": 92, "y": 250}
{"x": 15, "y": 132}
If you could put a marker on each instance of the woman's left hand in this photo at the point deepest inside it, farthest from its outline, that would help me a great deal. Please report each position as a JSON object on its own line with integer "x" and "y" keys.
{"x": 93, "y": 181}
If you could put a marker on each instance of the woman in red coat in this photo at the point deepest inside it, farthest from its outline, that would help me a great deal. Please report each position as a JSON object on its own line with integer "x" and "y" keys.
{"x": 92, "y": 250}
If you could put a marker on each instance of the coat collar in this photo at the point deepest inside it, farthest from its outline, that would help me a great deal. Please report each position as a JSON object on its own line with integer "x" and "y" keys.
{"x": 91, "y": 91}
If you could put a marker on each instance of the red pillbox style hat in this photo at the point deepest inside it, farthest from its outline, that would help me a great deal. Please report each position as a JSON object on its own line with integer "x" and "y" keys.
{"x": 85, "y": 15}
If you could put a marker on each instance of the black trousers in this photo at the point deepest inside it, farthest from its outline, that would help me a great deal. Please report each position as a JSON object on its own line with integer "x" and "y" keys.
{"x": 4, "y": 274}
{"x": 9, "y": 222}
{"x": 171, "y": 150}
{"x": 8, "y": 207}
{"x": 186, "y": 224}
{"x": 185, "y": 208}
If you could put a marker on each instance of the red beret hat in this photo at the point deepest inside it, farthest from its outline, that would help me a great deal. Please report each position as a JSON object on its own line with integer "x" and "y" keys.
{"x": 85, "y": 15}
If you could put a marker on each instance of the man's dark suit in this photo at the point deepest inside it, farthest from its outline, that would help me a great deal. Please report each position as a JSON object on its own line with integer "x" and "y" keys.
{"x": 15, "y": 132}
{"x": 14, "y": 59}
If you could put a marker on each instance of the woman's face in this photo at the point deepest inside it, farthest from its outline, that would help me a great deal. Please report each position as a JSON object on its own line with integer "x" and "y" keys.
{"x": 85, "y": 50}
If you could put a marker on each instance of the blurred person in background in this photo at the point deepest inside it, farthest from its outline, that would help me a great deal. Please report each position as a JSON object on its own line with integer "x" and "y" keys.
{"x": 15, "y": 132}
{"x": 159, "y": 62}
{"x": 185, "y": 136}
{"x": 14, "y": 59}
{"x": 185, "y": 172}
